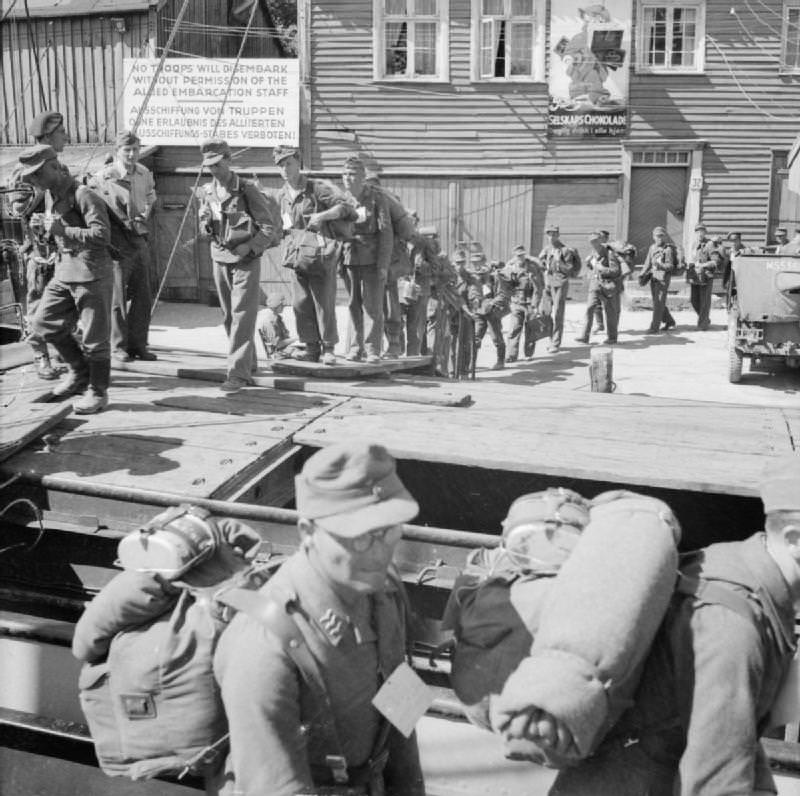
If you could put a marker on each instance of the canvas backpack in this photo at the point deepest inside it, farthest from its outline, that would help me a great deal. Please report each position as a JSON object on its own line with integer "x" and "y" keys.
{"x": 404, "y": 230}
{"x": 147, "y": 685}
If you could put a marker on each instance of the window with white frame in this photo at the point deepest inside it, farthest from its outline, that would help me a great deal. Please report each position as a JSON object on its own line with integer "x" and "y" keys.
{"x": 411, "y": 39}
{"x": 508, "y": 39}
{"x": 671, "y": 37}
{"x": 790, "y": 52}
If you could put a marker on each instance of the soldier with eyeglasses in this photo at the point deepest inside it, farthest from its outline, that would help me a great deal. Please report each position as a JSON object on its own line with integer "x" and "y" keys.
{"x": 347, "y": 600}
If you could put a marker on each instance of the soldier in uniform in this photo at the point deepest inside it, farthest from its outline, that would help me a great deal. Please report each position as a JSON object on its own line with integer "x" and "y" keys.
{"x": 128, "y": 189}
{"x": 235, "y": 214}
{"x": 733, "y": 248}
{"x": 792, "y": 246}
{"x": 604, "y": 287}
{"x": 346, "y": 599}
{"x": 526, "y": 281}
{"x": 82, "y": 284}
{"x": 712, "y": 680}
{"x": 705, "y": 258}
{"x": 274, "y": 335}
{"x": 487, "y": 295}
{"x": 415, "y": 290}
{"x": 307, "y": 203}
{"x": 560, "y": 262}
{"x": 366, "y": 260}
{"x": 659, "y": 264}
{"x": 39, "y": 256}
{"x": 781, "y": 238}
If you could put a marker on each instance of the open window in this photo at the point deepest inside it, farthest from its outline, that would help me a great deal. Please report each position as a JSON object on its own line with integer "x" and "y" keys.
{"x": 411, "y": 40}
{"x": 790, "y": 38}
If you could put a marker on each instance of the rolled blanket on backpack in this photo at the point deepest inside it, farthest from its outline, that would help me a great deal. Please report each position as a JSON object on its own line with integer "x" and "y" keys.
{"x": 596, "y": 626}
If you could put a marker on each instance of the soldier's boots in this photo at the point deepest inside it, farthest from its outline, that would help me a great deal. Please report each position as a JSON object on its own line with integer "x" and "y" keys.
{"x": 44, "y": 368}
{"x": 90, "y": 402}
{"x": 74, "y": 382}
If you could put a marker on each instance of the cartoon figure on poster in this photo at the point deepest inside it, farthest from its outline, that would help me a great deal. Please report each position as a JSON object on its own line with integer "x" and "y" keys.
{"x": 589, "y": 70}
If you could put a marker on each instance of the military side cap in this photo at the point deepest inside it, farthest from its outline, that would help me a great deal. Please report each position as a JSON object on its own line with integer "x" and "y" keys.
{"x": 460, "y": 256}
{"x": 605, "y": 233}
{"x": 698, "y": 227}
{"x": 127, "y": 138}
{"x": 780, "y": 484}
{"x": 520, "y": 249}
{"x": 352, "y": 488}
{"x": 275, "y": 299}
{"x": 429, "y": 231}
{"x": 781, "y": 231}
{"x": 281, "y": 153}
{"x": 354, "y": 163}
{"x": 214, "y": 150}
{"x": 595, "y": 235}
{"x": 659, "y": 231}
{"x": 33, "y": 158}
{"x": 732, "y": 235}
{"x": 551, "y": 228}
{"x": 45, "y": 123}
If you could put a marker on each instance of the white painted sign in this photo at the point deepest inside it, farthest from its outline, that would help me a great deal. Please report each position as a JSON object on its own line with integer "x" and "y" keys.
{"x": 262, "y": 107}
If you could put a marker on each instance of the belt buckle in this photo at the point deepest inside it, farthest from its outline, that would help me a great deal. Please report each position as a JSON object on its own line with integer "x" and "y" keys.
{"x": 338, "y": 766}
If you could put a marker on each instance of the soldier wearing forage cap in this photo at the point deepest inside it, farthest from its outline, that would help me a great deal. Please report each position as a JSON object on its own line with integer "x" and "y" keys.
{"x": 415, "y": 289}
{"x": 128, "y": 189}
{"x": 560, "y": 262}
{"x": 82, "y": 284}
{"x": 659, "y": 264}
{"x": 712, "y": 680}
{"x": 38, "y": 254}
{"x": 346, "y": 601}
{"x": 604, "y": 287}
{"x": 367, "y": 258}
{"x": 307, "y": 203}
{"x": 239, "y": 220}
{"x": 526, "y": 281}
{"x": 705, "y": 258}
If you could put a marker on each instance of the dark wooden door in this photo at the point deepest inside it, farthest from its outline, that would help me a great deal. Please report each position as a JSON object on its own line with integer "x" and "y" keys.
{"x": 658, "y": 198}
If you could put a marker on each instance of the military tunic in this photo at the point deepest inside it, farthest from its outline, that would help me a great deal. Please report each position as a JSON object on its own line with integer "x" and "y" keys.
{"x": 660, "y": 262}
{"x": 527, "y": 284}
{"x": 559, "y": 262}
{"x": 604, "y": 291}
{"x": 314, "y": 297}
{"x": 278, "y": 744}
{"x": 130, "y": 197}
{"x": 701, "y": 278}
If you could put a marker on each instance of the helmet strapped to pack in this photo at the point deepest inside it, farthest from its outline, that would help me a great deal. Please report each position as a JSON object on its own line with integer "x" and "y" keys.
{"x": 171, "y": 543}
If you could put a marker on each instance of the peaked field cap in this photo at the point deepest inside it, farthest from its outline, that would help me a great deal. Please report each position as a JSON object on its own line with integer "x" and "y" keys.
{"x": 354, "y": 163}
{"x": 460, "y": 256}
{"x": 596, "y": 234}
{"x": 429, "y": 230}
{"x": 275, "y": 299}
{"x": 45, "y": 123}
{"x": 659, "y": 231}
{"x": 520, "y": 249}
{"x": 127, "y": 138}
{"x": 352, "y": 488}
{"x": 281, "y": 153}
{"x": 698, "y": 227}
{"x": 780, "y": 484}
{"x": 552, "y": 228}
{"x": 781, "y": 230}
{"x": 33, "y": 158}
{"x": 213, "y": 150}
{"x": 734, "y": 234}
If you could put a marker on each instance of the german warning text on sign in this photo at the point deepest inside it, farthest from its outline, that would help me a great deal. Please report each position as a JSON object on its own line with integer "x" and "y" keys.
{"x": 262, "y": 107}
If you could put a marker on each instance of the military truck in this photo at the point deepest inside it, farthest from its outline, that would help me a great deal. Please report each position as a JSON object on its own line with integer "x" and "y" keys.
{"x": 763, "y": 312}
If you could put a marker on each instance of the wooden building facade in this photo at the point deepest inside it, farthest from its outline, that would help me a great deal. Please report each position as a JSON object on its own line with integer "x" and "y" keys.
{"x": 710, "y": 125}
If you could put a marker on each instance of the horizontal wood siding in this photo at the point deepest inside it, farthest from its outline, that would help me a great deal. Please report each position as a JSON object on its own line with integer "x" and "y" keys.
{"x": 459, "y": 125}
{"x": 430, "y": 201}
{"x": 742, "y": 106}
{"x": 80, "y": 62}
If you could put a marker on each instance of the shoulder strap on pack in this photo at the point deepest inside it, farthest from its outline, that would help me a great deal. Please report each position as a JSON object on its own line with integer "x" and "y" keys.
{"x": 276, "y": 618}
{"x": 709, "y": 591}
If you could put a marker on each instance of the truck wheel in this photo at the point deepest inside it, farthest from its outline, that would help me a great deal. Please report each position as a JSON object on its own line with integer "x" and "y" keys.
{"x": 735, "y": 357}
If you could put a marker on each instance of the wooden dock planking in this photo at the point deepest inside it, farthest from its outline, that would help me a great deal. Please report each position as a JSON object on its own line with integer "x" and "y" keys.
{"x": 703, "y": 447}
{"x": 162, "y": 433}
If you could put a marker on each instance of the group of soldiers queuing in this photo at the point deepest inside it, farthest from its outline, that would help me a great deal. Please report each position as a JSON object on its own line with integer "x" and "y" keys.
{"x": 88, "y": 263}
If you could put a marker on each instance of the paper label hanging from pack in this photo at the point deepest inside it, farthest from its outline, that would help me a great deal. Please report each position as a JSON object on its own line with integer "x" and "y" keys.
{"x": 403, "y": 699}
{"x": 786, "y": 708}
{"x": 288, "y": 222}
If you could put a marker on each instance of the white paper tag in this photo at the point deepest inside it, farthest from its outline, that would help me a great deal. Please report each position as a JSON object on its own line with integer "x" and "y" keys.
{"x": 287, "y": 221}
{"x": 786, "y": 707}
{"x": 403, "y": 699}
{"x": 361, "y": 213}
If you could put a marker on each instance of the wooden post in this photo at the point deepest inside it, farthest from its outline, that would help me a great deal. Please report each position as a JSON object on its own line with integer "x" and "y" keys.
{"x": 601, "y": 369}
